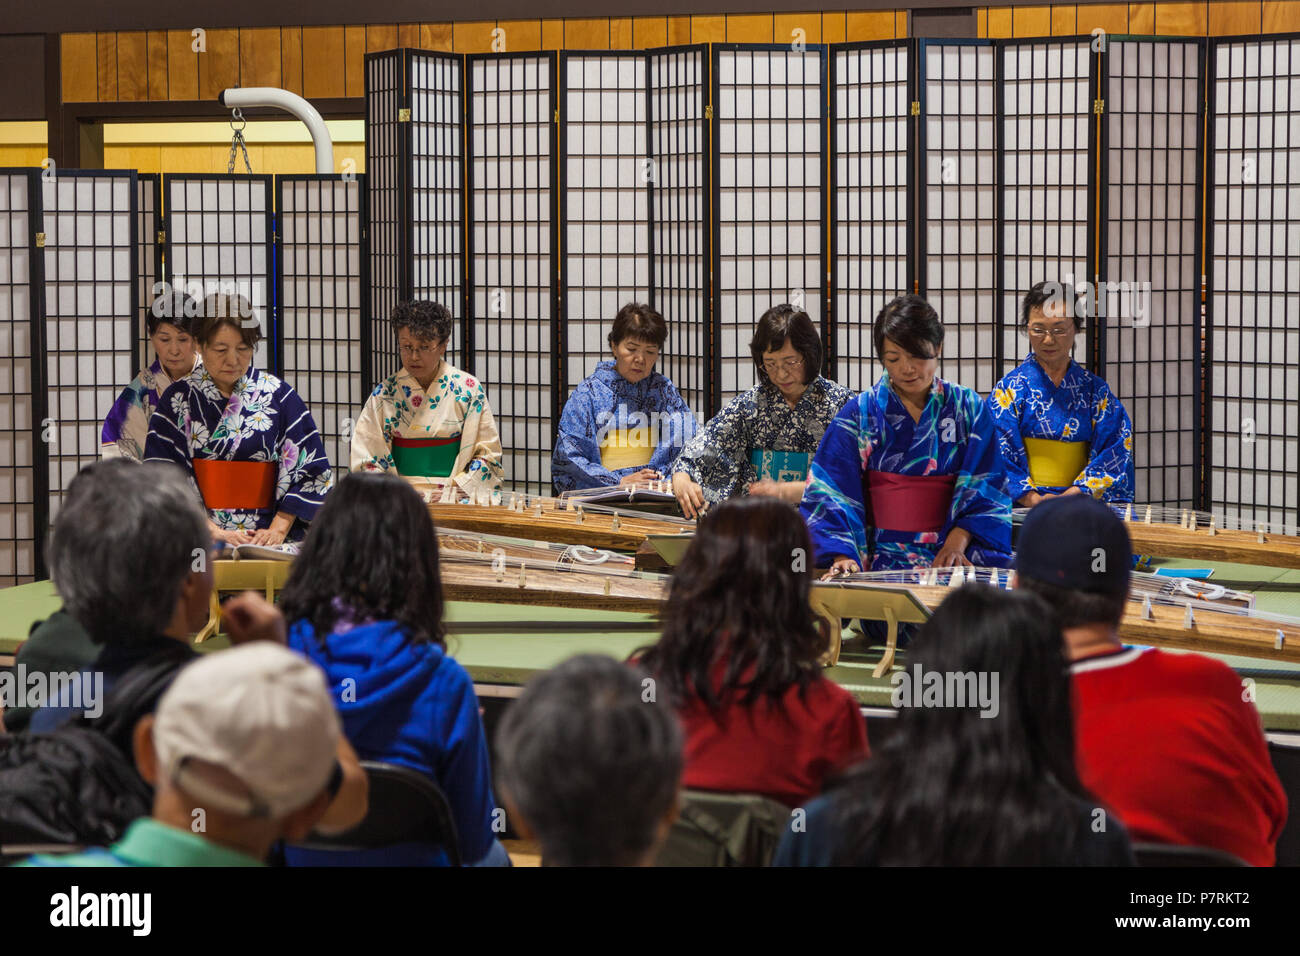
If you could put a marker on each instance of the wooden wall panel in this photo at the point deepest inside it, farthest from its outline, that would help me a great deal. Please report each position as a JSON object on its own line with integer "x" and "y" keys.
{"x": 1031, "y": 21}
{"x": 473, "y": 37}
{"x": 381, "y": 36}
{"x": 999, "y": 22}
{"x": 708, "y": 29}
{"x": 1181, "y": 19}
{"x": 552, "y": 34}
{"x": 982, "y": 22}
{"x": 833, "y": 27}
{"x": 522, "y": 35}
{"x": 260, "y": 57}
{"x": 1141, "y": 19}
{"x": 408, "y": 35}
{"x": 876, "y": 25}
{"x": 219, "y": 66}
{"x": 354, "y": 61}
{"x": 322, "y": 62}
{"x": 1064, "y": 21}
{"x": 679, "y": 30}
{"x": 1233, "y": 17}
{"x": 182, "y": 66}
{"x": 900, "y": 24}
{"x": 653, "y": 31}
{"x": 620, "y": 33}
{"x": 750, "y": 28}
{"x": 1111, "y": 17}
{"x": 435, "y": 36}
{"x": 133, "y": 66}
{"x": 291, "y": 59}
{"x": 77, "y": 55}
{"x": 1281, "y": 16}
{"x": 784, "y": 25}
{"x": 106, "y": 67}
{"x": 157, "y": 53}
{"x": 586, "y": 34}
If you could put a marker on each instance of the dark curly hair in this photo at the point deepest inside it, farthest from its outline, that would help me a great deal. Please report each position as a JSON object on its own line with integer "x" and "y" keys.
{"x": 740, "y": 595}
{"x": 782, "y": 322}
{"x": 372, "y": 546}
{"x": 423, "y": 319}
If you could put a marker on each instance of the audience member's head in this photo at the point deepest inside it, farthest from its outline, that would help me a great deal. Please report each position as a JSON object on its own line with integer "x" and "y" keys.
{"x": 371, "y": 554}
{"x": 129, "y": 552}
{"x": 1075, "y": 553}
{"x": 590, "y": 764}
{"x": 980, "y": 768}
{"x": 243, "y": 748}
{"x": 737, "y": 614}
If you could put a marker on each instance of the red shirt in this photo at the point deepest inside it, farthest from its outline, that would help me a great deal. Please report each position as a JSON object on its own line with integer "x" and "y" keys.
{"x": 785, "y": 753}
{"x": 1170, "y": 743}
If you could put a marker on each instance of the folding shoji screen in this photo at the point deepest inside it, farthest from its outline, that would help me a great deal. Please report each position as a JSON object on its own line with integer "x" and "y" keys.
{"x": 958, "y": 148}
{"x": 512, "y": 265}
{"x": 769, "y": 204}
{"x": 219, "y": 239}
{"x": 388, "y": 170}
{"x": 148, "y": 253}
{"x": 679, "y": 214}
{"x": 1046, "y": 200}
{"x": 871, "y": 198}
{"x": 23, "y": 499}
{"x": 321, "y": 298}
{"x": 1151, "y": 257}
{"x": 1253, "y": 343}
{"x": 605, "y": 176}
{"x": 90, "y": 289}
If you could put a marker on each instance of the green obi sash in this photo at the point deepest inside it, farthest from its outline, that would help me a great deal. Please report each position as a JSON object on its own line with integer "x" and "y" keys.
{"x": 425, "y": 457}
{"x": 780, "y": 465}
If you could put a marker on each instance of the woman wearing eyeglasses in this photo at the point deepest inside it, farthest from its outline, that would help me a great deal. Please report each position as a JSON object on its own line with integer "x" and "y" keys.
{"x": 1061, "y": 429}
{"x": 762, "y": 442}
{"x": 430, "y": 421}
{"x": 909, "y": 474}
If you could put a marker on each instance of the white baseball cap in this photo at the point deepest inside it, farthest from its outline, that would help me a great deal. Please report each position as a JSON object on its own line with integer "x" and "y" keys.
{"x": 261, "y": 712}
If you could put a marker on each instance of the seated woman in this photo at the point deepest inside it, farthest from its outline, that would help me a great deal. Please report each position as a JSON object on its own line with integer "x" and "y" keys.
{"x": 430, "y": 421}
{"x": 979, "y": 778}
{"x": 1061, "y": 428}
{"x": 909, "y": 474}
{"x": 762, "y": 441}
{"x": 625, "y": 422}
{"x": 171, "y": 322}
{"x": 740, "y": 658}
{"x": 244, "y": 436}
{"x": 364, "y": 601}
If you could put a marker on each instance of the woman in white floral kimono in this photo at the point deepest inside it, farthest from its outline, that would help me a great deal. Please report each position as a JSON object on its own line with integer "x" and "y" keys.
{"x": 431, "y": 422}
{"x": 244, "y": 436}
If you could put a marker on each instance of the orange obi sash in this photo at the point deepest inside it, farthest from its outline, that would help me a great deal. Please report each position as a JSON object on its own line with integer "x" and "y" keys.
{"x": 235, "y": 485}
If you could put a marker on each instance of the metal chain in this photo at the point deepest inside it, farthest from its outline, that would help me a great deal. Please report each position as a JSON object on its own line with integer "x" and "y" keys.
{"x": 237, "y": 141}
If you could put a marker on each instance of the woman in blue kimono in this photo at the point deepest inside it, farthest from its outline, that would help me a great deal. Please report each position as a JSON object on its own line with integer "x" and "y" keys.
{"x": 909, "y": 474}
{"x": 763, "y": 440}
{"x": 1062, "y": 430}
{"x": 245, "y": 438}
{"x": 625, "y": 422}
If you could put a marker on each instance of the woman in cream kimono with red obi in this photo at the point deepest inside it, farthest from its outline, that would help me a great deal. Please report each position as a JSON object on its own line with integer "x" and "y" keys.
{"x": 430, "y": 423}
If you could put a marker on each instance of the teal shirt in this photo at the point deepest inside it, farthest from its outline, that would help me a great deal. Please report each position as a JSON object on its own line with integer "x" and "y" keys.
{"x": 150, "y": 843}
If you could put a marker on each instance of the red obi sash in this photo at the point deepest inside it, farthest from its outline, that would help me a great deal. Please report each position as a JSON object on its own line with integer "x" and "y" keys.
{"x": 910, "y": 503}
{"x": 235, "y": 485}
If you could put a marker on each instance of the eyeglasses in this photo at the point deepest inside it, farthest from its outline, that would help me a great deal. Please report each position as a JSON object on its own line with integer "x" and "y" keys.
{"x": 789, "y": 365}
{"x": 422, "y": 351}
{"x": 1052, "y": 333}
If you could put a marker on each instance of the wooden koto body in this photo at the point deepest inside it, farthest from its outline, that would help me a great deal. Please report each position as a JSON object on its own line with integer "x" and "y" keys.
{"x": 546, "y": 519}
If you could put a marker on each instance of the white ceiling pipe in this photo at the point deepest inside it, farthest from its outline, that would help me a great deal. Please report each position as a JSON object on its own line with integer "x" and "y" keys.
{"x": 244, "y": 97}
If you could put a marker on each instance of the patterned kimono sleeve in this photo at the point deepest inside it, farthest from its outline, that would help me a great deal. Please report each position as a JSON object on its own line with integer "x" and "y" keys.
{"x": 304, "y": 474}
{"x": 681, "y": 428}
{"x": 1109, "y": 474}
{"x": 981, "y": 503}
{"x": 833, "y": 504}
{"x": 1005, "y": 409}
{"x": 372, "y": 437}
{"x": 126, "y": 427}
{"x": 715, "y": 457}
{"x": 169, "y": 430}
{"x": 484, "y": 469}
{"x": 575, "y": 463}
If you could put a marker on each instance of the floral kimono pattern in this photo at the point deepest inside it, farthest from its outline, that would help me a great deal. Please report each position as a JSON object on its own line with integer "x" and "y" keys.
{"x": 263, "y": 420}
{"x": 1028, "y": 404}
{"x": 955, "y": 436}
{"x": 456, "y": 405}
{"x": 720, "y": 456}
{"x": 126, "y": 427}
{"x": 604, "y": 403}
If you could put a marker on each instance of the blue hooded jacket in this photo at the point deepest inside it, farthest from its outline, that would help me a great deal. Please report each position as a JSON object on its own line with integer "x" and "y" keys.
{"x": 408, "y": 704}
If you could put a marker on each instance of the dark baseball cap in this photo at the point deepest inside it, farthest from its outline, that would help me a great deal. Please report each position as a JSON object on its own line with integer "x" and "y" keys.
{"x": 1075, "y": 542}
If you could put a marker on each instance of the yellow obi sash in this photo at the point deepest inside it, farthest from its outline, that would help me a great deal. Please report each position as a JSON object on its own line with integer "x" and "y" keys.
{"x": 627, "y": 448}
{"x": 1055, "y": 464}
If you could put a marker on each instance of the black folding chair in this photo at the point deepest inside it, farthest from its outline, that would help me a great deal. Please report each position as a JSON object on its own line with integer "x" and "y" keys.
{"x": 405, "y": 807}
{"x": 1168, "y": 854}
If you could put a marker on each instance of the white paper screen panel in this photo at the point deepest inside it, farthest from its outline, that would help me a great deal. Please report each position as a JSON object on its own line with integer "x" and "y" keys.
{"x": 1151, "y": 296}
{"x": 321, "y": 303}
{"x": 148, "y": 193}
{"x": 511, "y": 105}
{"x": 680, "y": 206}
{"x": 1254, "y": 342}
{"x": 871, "y": 214}
{"x": 436, "y": 197}
{"x": 90, "y": 313}
{"x": 218, "y": 241}
{"x": 959, "y": 159}
{"x": 386, "y": 167}
{"x": 606, "y": 200}
{"x": 771, "y": 208}
{"x": 18, "y": 511}
{"x": 1045, "y": 211}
